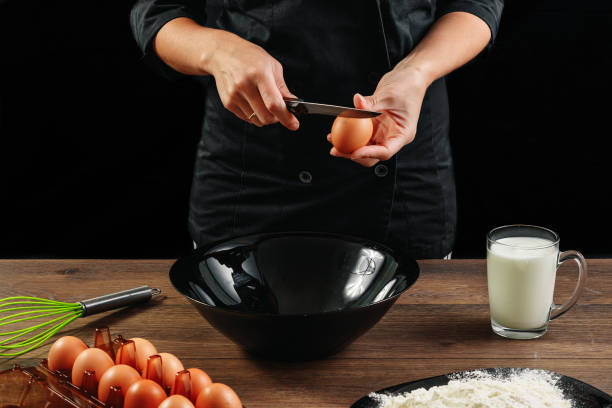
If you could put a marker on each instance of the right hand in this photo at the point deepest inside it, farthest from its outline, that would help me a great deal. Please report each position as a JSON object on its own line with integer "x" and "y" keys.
{"x": 249, "y": 80}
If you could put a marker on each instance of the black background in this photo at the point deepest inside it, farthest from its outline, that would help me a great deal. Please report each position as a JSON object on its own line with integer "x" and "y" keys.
{"x": 96, "y": 151}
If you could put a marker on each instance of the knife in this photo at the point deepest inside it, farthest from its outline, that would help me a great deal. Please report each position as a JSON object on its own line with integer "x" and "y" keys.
{"x": 300, "y": 107}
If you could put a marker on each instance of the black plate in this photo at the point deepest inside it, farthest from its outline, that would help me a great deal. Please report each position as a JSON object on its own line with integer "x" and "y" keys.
{"x": 293, "y": 296}
{"x": 582, "y": 394}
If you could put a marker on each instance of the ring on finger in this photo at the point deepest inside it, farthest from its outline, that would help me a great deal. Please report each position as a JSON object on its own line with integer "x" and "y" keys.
{"x": 251, "y": 116}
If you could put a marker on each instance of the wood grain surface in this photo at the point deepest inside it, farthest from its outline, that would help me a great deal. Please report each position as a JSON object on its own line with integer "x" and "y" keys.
{"x": 440, "y": 325}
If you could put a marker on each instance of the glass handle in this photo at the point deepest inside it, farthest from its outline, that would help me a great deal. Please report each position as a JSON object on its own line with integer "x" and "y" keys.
{"x": 558, "y": 310}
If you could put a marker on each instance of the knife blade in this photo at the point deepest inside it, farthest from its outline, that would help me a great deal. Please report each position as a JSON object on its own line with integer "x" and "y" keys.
{"x": 301, "y": 107}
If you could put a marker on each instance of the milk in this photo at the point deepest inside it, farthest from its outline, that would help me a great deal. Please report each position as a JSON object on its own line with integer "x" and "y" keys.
{"x": 521, "y": 279}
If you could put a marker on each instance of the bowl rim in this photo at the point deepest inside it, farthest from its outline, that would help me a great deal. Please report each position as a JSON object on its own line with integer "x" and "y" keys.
{"x": 202, "y": 250}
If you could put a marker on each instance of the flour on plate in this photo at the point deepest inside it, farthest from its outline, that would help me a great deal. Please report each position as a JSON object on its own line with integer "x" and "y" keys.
{"x": 480, "y": 389}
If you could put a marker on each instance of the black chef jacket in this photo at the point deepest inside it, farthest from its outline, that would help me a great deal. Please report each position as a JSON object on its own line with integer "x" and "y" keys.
{"x": 249, "y": 179}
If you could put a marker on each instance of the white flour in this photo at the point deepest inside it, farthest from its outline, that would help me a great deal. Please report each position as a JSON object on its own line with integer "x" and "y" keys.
{"x": 479, "y": 389}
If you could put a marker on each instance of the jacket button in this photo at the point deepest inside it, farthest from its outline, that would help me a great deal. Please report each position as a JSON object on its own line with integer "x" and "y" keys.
{"x": 305, "y": 177}
{"x": 381, "y": 170}
{"x": 374, "y": 78}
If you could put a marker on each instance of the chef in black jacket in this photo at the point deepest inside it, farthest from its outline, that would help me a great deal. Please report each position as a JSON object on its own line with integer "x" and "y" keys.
{"x": 259, "y": 169}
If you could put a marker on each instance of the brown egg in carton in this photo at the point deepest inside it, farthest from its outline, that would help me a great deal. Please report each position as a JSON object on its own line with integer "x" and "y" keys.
{"x": 40, "y": 386}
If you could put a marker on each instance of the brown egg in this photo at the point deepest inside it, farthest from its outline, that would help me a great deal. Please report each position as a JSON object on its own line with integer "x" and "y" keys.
{"x": 144, "y": 349}
{"x": 144, "y": 394}
{"x": 218, "y": 395}
{"x": 170, "y": 366}
{"x": 119, "y": 375}
{"x": 63, "y": 353}
{"x": 176, "y": 401}
{"x": 93, "y": 359}
{"x": 349, "y": 134}
{"x": 199, "y": 380}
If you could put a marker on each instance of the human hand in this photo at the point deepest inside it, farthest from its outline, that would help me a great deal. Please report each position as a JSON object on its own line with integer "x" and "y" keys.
{"x": 398, "y": 97}
{"x": 249, "y": 80}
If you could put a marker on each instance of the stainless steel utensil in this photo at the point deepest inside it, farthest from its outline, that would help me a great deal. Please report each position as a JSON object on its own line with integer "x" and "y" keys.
{"x": 300, "y": 107}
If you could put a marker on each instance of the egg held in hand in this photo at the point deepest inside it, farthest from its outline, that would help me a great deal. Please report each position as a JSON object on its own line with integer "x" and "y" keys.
{"x": 92, "y": 359}
{"x": 218, "y": 395}
{"x": 64, "y": 352}
{"x": 120, "y": 375}
{"x": 349, "y": 134}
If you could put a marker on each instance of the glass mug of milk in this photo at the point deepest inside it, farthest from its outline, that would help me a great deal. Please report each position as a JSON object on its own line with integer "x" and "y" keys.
{"x": 522, "y": 262}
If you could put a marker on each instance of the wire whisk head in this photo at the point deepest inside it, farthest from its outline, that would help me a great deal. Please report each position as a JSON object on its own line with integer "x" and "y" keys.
{"x": 15, "y": 314}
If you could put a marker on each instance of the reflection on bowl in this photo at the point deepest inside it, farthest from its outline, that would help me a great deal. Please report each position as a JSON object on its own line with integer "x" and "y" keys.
{"x": 293, "y": 296}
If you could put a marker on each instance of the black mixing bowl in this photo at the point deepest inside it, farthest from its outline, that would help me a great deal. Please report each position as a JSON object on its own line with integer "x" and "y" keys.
{"x": 293, "y": 296}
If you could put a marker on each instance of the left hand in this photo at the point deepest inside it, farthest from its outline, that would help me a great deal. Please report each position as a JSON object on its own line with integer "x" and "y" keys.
{"x": 398, "y": 97}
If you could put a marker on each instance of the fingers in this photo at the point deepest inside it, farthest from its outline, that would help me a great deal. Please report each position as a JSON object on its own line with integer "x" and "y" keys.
{"x": 377, "y": 152}
{"x": 266, "y": 100}
{"x": 242, "y": 109}
{"x": 258, "y": 106}
{"x": 366, "y": 162}
{"x": 368, "y": 155}
{"x": 392, "y": 130}
{"x": 259, "y": 91}
{"x": 365, "y": 102}
{"x": 273, "y": 102}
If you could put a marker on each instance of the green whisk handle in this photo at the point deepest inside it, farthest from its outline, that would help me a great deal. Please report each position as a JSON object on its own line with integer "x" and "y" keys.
{"x": 119, "y": 299}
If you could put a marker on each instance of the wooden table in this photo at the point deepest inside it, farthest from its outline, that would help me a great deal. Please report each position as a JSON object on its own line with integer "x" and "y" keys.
{"x": 440, "y": 325}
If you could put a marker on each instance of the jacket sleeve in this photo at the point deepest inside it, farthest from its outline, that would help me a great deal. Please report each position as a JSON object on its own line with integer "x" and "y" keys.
{"x": 148, "y": 16}
{"x": 487, "y": 10}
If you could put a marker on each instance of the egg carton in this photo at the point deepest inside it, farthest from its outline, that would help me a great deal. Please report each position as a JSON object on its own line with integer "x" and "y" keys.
{"x": 40, "y": 387}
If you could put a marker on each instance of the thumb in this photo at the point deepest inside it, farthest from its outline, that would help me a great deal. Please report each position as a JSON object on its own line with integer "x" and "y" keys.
{"x": 364, "y": 102}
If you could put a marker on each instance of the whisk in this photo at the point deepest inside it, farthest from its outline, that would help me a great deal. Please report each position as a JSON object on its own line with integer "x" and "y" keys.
{"x": 24, "y": 308}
